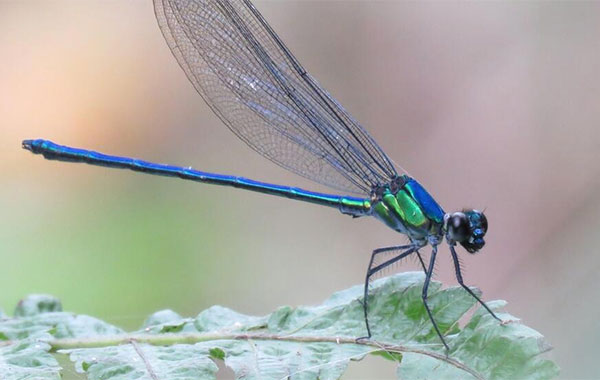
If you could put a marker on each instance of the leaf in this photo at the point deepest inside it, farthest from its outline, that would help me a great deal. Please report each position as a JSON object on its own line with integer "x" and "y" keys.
{"x": 24, "y": 354}
{"x": 28, "y": 360}
{"x": 137, "y": 361}
{"x": 305, "y": 343}
{"x": 36, "y": 304}
{"x": 168, "y": 321}
{"x": 224, "y": 319}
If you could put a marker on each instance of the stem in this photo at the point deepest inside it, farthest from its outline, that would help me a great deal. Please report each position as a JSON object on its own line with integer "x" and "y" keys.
{"x": 170, "y": 339}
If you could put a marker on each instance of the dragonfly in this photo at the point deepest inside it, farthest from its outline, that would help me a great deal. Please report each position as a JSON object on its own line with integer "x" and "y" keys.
{"x": 256, "y": 86}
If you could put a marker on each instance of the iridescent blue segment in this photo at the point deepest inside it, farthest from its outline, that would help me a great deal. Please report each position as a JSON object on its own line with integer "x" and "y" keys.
{"x": 430, "y": 207}
{"x": 52, "y": 151}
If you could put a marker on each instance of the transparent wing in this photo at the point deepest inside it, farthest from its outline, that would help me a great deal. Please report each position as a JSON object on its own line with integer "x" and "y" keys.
{"x": 260, "y": 91}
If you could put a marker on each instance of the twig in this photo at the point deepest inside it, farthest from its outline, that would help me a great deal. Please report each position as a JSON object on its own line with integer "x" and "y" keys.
{"x": 191, "y": 338}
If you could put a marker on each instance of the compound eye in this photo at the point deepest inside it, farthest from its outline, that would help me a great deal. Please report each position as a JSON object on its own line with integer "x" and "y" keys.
{"x": 458, "y": 227}
{"x": 484, "y": 223}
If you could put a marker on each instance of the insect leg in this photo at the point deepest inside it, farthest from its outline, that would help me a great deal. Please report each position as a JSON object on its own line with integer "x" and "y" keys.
{"x": 421, "y": 261}
{"x": 372, "y": 270}
{"x": 459, "y": 278}
{"x": 424, "y": 295}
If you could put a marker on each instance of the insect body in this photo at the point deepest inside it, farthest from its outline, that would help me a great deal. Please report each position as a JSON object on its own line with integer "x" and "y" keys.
{"x": 252, "y": 81}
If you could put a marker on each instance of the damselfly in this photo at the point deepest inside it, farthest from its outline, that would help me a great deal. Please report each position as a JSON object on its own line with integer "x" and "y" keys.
{"x": 251, "y": 80}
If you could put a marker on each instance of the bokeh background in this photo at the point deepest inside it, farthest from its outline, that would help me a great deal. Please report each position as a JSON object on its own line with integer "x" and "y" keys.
{"x": 490, "y": 105}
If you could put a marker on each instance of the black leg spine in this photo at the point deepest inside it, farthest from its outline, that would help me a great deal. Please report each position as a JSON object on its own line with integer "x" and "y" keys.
{"x": 424, "y": 295}
{"x": 371, "y": 271}
{"x": 459, "y": 278}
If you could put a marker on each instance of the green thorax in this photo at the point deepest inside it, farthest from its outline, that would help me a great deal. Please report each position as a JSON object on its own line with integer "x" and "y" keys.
{"x": 409, "y": 210}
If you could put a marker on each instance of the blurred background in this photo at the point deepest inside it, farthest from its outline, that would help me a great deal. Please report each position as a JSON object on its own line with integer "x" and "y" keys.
{"x": 490, "y": 105}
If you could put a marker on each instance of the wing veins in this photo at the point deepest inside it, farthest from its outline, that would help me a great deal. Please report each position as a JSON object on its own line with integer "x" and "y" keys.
{"x": 290, "y": 91}
{"x": 317, "y": 89}
{"x": 252, "y": 82}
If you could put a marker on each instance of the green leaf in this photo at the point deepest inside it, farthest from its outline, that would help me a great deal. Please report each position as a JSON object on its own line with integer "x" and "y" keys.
{"x": 393, "y": 356}
{"x": 37, "y": 304}
{"x": 224, "y": 319}
{"x": 258, "y": 360}
{"x": 24, "y": 354}
{"x": 419, "y": 367}
{"x": 168, "y": 321}
{"x": 307, "y": 342}
{"x": 28, "y": 360}
{"x": 144, "y": 361}
{"x": 217, "y": 353}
